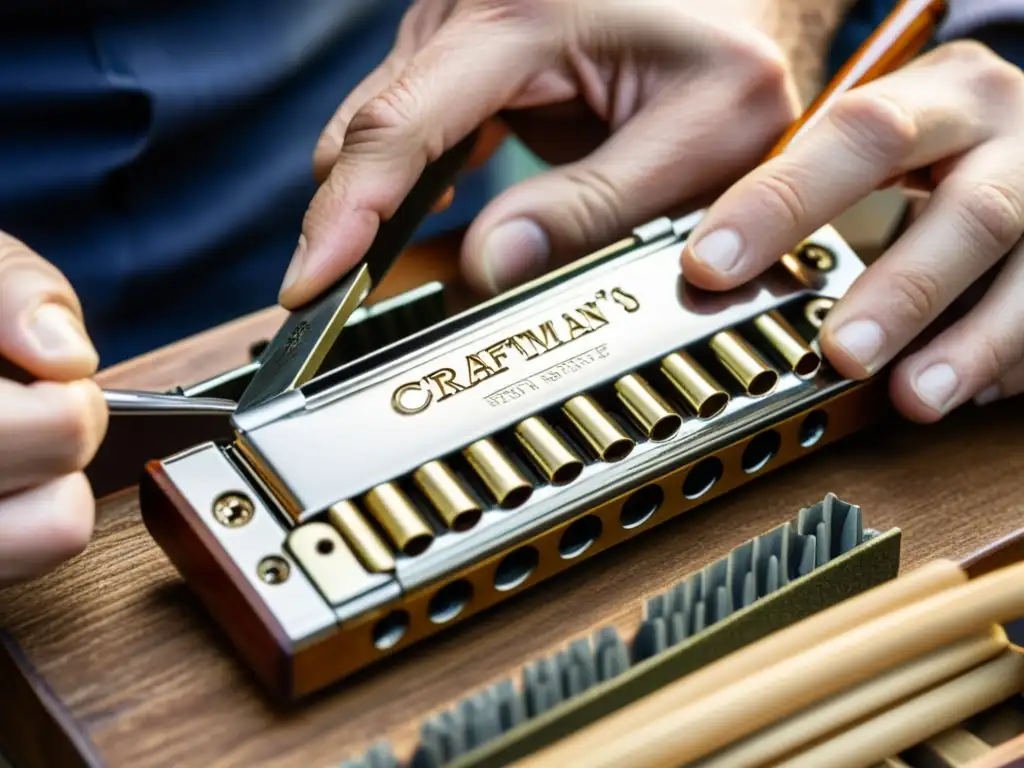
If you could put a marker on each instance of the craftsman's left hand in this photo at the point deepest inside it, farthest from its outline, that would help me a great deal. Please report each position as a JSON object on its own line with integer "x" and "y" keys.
{"x": 959, "y": 112}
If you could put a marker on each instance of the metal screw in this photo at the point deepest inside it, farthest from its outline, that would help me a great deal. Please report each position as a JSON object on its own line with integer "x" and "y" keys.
{"x": 273, "y": 570}
{"x": 816, "y": 310}
{"x": 816, "y": 257}
{"x": 233, "y": 510}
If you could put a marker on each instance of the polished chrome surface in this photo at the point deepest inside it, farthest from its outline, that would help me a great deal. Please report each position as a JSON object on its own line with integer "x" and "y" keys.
{"x": 126, "y": 402}
{"x": 597, "y": 326}
{"x": 204, "y": 475}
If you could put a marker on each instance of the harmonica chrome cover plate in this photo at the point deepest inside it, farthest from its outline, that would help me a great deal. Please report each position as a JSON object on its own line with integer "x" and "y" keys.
{"x": 316, "y": 459}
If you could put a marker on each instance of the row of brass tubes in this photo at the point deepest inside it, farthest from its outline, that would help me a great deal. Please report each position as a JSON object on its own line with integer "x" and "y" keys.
{"x": 553, "y": 456}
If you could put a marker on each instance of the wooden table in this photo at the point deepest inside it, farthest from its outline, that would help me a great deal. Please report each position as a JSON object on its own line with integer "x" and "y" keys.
{"x": 111, "y": 661}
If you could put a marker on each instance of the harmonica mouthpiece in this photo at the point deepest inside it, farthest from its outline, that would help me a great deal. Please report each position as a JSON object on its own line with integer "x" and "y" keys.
{"x": 600, "y": 431}
{"x": 548, "y": 450}
{"x": 400, "y": 519}
{"x": 802, "y": 360}
{"x": 453, "y": 503}
{"x": 748, "y": 368}
{"x": 701, "y": 392}
{"x": 649, "y": 410}
{"x": 502, "y": 478}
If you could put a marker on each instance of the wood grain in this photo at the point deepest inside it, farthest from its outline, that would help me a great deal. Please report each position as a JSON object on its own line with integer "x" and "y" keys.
{"x": 124, "y": 647}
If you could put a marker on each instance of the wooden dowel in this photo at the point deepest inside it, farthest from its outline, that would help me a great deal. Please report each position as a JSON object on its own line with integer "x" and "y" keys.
{"x": 850, "y": 707}
{"x": 930, "y": 579}
{"x": 680, "y": 735}
{"x": 914, "y": 721}
{"x": 1009, "y": 754}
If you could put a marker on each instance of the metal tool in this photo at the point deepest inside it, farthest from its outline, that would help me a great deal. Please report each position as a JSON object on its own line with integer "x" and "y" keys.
{"x": 128, "y": 402}
{"x": 296, "y": 352}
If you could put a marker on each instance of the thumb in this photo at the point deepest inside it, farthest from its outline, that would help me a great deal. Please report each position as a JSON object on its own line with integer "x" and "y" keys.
{"x": 41, "y": 327}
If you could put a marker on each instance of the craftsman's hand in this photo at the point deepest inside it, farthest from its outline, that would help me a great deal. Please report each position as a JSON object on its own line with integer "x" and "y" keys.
{"x": 49, "y": 429}
{"x": 648, "y": 103}
{"x": 959, "y": 111}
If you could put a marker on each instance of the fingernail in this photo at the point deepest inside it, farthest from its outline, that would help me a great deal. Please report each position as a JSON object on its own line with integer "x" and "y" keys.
{"x": 936, "y": 385}
{"x": 862, "y": 340}
{"x": 57, "y": 333}
{"x": 515, "y": 251}
{"x": 988, "y": 395}
{"x": 291, "y": 276}
{"x": 720, "y": 250}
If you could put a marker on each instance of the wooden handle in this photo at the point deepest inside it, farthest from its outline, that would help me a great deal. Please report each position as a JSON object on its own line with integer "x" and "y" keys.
{"x": 680, "y": 735}
{"x": 921, "y": 583}
{"x": 922, "y": 716}
{"x": 873, "y": 697}
{"x": 897, "y": 40}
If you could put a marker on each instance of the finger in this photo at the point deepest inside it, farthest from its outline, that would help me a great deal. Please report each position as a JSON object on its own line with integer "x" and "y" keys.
{"x": 418, "y": 23}
{"x": 1010, "y": 385}
{"x": 48, "y": 429}
{"x": 328, "y": 147}
{"x": 878, "y": 131}
{"x": 42, "y": 527}
{"x": 963, "y": 360}
{"x": 450, "y": 87}
{"x": 635, "y": 175}
{"x": 41, "y": 327}
{"x": 974, "y": 218}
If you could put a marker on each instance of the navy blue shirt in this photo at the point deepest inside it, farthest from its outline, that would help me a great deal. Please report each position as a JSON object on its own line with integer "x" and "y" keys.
{"x": 160, "y": 152}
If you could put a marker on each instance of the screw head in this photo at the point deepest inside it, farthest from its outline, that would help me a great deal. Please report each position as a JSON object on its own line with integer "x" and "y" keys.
{"x": 816, "y": 311}
{"x": 816, "y": 257}
{"x": 233, "y": 510}
{"x": 273, "y": 570}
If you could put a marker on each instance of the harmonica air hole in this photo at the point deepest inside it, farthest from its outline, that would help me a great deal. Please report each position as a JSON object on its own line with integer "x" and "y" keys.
{"x": 516, "y": 567}
{"x": 449, "y": 601}
{"x": 602, "y": 433}
{"x": 499, "y": 474}
{"x": 813, "y": 427}
{"x": 698, "y": 389}
{"x": 759, "y": 451}
{"x": 641, "y": 506}
{"x": 702, "y": 477}
{"x": 649, "y": 411}
{"x": 390, "y": 630}
{"x": 448, "y": 496}
{"x": 579, "y": 537}
{"x": 548, "y": 451}
{"x": 743, "y": 363}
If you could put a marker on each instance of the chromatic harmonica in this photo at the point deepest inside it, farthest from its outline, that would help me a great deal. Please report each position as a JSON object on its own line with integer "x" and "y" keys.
{"x": 397, "y": 494}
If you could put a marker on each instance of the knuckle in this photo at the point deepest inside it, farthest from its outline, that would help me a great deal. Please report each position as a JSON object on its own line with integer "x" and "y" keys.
{"x": 993, "y": 216}
{"x": 874, "y": 127}
{"x": 599, "y": 201}
{"x": 77, "y": 423}
{"x": 70, "y": 526}
{"x": 994, "y": 356}
{"x": 916, "y": 293}
{"x": 989, "y": 76}
{"x": 783, "y": 198}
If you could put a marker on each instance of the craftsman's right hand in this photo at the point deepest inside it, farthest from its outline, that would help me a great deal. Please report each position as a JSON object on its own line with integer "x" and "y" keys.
{"x": 49, "y": 429}
{"x": 640, "y": 104}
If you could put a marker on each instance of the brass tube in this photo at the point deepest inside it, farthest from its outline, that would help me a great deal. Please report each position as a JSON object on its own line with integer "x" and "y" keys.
{"x": 453, "y": 503}
{"x": 548, "y": 451}
{"x": 358, "y": 534}
{"x": 400, "y": 519}
{"x": 802, "y": 360}
{"x": 648, "y": 409}
{"x": 701, "y": 392}
{"x": 499, "y": 474}
{"x": 598, "y": 429}
{"x": 744, "y": 363}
